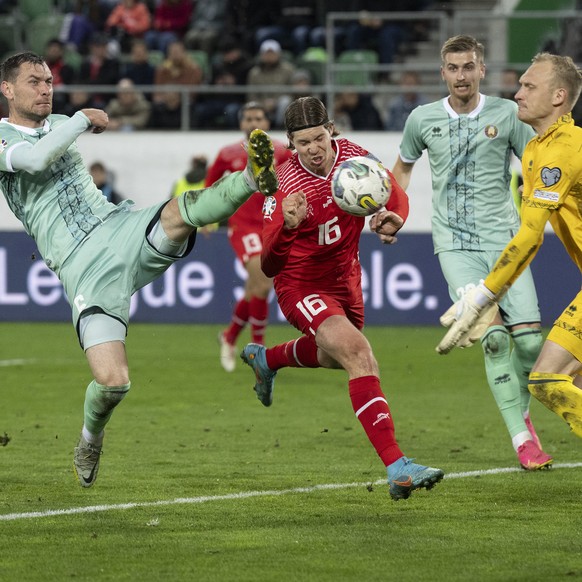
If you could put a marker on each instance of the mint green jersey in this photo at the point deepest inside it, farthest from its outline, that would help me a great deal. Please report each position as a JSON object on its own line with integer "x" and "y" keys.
{"x": 59, "y": 206}
{"x": 469, "y": 156}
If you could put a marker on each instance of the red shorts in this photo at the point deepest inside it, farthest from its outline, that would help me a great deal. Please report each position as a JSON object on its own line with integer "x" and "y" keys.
{"x": 306, "y": 309}
{"x": 245, "y": 243}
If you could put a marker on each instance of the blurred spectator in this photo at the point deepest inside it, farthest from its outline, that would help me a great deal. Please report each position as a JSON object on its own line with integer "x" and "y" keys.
{"x": 128, "y": 20}
{"x": 98, "y": 68}
{"x": 207, "y": 25}
{"x": 297, "y": 18}
{"x": 318, "y": 35}
{"x": 408, "y": 99}
{"x": 171, "y": 21}
{"x": 138, "y": 68}
{"x": 167, "y": 113}
{"x": 218, "y": 110}
{"x": 301, "y": 81}
{"x": 79, "y": 25}
{"x": 232, "y": 58}
{"x": 77, "y": 100}
{"x": 177, "y": 69}
{"x": 384, "y": 36}
{"x": 6, "y": 6}
{"x": 105, "y": 8}
{"x": 270, "y": 71}
{"x": 62, "y": 73}
{"x": 104, "y": 179}
{"x": 509, "y": 83}
{"x": 245, "y": 17}
{"x": 130, "y": 110}
{"x": 194, "y": 177}
{"x": 356, "y": 111}
{"x": 230, "y": 68}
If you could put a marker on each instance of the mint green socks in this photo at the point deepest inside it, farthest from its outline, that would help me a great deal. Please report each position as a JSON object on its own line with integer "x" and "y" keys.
{"x": 99, "y": 404}
{"x": 215, "y": 203}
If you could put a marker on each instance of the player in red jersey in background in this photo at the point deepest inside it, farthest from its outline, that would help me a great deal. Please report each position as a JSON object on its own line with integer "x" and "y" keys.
{"x": 310, "y": 247}
{"x": 244, "y": 233}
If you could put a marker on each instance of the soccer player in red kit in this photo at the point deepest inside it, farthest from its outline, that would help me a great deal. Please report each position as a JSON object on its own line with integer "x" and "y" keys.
{"x": 310, "y": 247}
{"x": 244, "y": 234}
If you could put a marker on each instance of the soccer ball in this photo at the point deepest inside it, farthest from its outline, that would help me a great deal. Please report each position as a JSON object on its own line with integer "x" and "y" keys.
{"x": 361, "y": 186}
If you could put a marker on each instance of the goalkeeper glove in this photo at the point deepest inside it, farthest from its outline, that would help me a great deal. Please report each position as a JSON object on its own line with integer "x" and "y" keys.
{"x": 468, "y": 318}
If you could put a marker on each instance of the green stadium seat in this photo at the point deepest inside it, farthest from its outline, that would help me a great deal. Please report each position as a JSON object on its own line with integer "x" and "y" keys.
{"x": 11, "y": 33}
{"x": 32, "y": 9}
{"x": 355, "y": 71}
{"x": 315, "y": 64}
{"x": 73, "y": 58}
{"x": 156, "y": 58}
{"x": 40, "y": 30}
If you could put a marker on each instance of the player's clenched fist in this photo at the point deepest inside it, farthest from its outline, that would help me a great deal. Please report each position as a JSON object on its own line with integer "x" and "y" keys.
{"x": 294, "y": 209}
{"x": 386, "y": 224}
{"x": 98, "y": 118}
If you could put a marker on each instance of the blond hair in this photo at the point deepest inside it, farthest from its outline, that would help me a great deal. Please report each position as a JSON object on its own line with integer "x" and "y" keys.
{"x": 463, "y": 43}
{"x": 566, "y": 75}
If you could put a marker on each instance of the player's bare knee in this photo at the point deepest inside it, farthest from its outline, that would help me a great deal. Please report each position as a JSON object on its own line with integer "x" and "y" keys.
{"x": 113, "y": 377}
{"x": 261, "y": 289}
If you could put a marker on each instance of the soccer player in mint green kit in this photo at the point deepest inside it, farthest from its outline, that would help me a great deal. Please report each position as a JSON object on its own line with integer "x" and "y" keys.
{"x": 101, "y": 252}
{"x": 470, "y": 138}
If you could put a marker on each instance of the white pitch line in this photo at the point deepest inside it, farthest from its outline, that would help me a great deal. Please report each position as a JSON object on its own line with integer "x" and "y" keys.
{"x": 17, "y": 362}
{"x": 249, "y": 494}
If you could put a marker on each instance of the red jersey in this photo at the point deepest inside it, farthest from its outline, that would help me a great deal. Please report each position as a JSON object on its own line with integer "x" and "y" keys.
{"x": 233, "y": 158}
{"x": 323, "y": 250}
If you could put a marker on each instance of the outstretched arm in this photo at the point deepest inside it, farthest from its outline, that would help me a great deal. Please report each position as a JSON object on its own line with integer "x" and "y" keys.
{"x": 36, "y": 158}
{"x": 521, "y": 250}
{"x": 469, "y": 317}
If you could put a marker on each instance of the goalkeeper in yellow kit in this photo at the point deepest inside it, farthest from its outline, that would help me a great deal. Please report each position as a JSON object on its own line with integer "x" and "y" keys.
{"x": 552, "y": 173}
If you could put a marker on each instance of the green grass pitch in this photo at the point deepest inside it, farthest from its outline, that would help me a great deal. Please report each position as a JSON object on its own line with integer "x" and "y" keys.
{"x": 200, "y": 482}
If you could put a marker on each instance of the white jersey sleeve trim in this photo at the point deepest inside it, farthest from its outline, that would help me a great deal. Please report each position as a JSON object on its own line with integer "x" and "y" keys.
{"x": 408, "y": 160}
{"x": 9, "y": 155}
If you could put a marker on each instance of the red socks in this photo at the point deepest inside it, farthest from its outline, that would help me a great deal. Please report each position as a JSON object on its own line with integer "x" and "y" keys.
{"x": 299, "y": 353}
{"x": 258, "y": 318}
{"x": 240, "y": 316}
{"x": 368, "y": 400}
{"x": 372, "y": 410}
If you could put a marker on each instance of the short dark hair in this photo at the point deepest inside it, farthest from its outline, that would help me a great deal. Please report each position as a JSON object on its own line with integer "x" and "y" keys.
{"x": 10, "y": 67}
{"x": 249, "y": 106}
{"x": 56, "y": 41}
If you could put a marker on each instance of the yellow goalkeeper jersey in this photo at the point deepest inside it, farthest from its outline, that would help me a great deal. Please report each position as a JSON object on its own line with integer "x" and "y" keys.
{"x": 552, "y": 180}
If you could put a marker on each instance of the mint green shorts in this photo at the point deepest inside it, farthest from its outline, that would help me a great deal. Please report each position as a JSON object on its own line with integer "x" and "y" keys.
{"x": 113, "y": 263}
{"x": 460, "y": 268}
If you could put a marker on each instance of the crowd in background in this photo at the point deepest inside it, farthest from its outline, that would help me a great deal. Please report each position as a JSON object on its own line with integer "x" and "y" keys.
{"x": 222, "y": 43}
{"x": 135, "y": 44}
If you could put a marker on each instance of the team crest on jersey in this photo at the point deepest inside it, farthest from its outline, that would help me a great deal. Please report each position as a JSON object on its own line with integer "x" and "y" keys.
{"x": 551, "y": 176}
{"x": 491, "y": 131}
{"x": 3, "y": 145}
{"x": 269, "y": 206}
